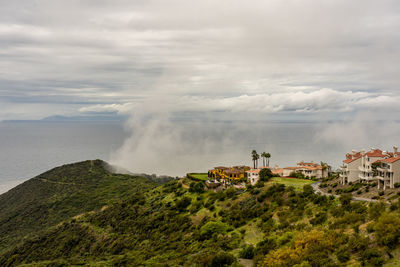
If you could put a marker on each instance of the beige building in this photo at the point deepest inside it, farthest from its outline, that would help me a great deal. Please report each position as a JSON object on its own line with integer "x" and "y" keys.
{"x": 308, "y": 169}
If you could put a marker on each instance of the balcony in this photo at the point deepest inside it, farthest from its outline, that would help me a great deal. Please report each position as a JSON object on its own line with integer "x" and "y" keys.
{"x": 366, "y": 177}
{"x": 384, "y": 169}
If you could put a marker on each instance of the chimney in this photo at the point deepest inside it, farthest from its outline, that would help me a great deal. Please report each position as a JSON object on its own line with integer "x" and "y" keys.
{"x": 348, "y": 156}
{"x": 395, "y": 149}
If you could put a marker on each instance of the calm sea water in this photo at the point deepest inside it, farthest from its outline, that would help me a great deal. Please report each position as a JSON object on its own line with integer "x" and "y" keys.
{"x": 30, "y": 148}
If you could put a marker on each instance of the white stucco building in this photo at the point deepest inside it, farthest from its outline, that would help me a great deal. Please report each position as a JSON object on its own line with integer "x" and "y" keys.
{"x": 374, "y": 165}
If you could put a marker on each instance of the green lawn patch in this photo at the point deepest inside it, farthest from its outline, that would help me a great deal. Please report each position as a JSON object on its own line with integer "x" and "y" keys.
{"x": 198, "y": 176}
{"x": 296, "y": 183}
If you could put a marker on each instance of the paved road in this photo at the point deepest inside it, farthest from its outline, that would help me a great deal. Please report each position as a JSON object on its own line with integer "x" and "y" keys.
{"x": 318, "y": 190}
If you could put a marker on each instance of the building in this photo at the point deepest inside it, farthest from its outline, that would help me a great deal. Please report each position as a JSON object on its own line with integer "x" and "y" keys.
{"x": 388, "y": 172}
{"x": 253, "y": 175}
{"x": 308, "y": 169}
{"x": 228, "y": 174}
{"x": 374, "y": 165}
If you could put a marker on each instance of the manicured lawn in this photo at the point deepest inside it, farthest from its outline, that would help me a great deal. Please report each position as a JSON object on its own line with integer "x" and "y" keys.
{"x": 201, "y": 176}
{"x": 296, "y": 183}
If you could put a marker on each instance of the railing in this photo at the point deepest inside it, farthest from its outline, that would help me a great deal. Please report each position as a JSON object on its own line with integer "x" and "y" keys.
{"x": 384, "y": 169}
{"x": 383, "y": 178}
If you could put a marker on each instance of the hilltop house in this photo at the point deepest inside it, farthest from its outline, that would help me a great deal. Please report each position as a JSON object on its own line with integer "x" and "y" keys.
{"x": 308, "y": 169}
{"x": 228, "y": 174}
{"x": 374, "y": 165}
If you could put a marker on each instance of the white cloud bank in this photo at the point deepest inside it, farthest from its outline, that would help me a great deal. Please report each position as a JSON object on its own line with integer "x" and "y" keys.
{"x": 314, "y": 101}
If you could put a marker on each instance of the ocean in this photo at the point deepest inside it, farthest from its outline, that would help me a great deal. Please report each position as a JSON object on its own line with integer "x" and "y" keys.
{"x": 30, "y": 148}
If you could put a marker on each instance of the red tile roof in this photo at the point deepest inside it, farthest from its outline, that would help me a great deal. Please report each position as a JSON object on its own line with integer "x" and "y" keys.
{"x": 377, "y": 153}
{"x": 390, "y": 160}
{"x": 347, "y": 161}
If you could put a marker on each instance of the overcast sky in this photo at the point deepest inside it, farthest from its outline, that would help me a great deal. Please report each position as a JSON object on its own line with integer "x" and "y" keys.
{"x": 286, "y": 59}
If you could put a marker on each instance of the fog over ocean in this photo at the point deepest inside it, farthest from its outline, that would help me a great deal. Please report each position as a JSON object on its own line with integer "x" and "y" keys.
{"x": 30, "y": 148}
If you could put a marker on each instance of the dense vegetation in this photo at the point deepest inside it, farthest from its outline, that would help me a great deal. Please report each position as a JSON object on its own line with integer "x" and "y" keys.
{"x": 179, "y": 223}
{"x": 60, "y": 194}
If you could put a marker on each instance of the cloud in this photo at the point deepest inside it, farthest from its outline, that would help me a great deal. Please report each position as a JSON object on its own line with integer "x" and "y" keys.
{"x": 320, "y": 101}
{"x": 134, "y": 49}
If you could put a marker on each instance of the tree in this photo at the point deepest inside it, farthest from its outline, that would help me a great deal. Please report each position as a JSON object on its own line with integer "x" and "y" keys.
{"x": 265, "y": 174}
{"x": 255, "y": 157}
{"x": 268, "y": 156}
{"x": 264, "y": 158}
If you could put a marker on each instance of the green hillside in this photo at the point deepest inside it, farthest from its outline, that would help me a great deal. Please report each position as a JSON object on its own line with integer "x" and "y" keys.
{"x": 60, "y": 194}
{"x": 178, "y": 224}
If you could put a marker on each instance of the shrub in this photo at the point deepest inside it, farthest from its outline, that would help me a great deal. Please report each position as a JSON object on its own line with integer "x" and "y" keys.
{"x": 260, "y": 184}
{"x": 211, "y": 228}
{"x": 372, "y": 257}
{"x": 230, "y": 192}
{"x": 359, "y": 192}
{"x": 183, "y": 203}
{"x": 396, "y": 185}
{"x": 247, "y": 252}
{"x": 223, "y": 259}
{"x": 387, "y": 230}
{"x": 319, "y": 218}
{"x": 196, "y": 187}
{"x": 265, "y": 174}
{"x": 345, "y": 199}
{"x": 381, "y": 193}
{"x": 343, "y": 254}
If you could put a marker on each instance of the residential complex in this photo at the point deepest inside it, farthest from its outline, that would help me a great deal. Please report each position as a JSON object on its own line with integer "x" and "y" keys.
{"x": 374, "y": 165}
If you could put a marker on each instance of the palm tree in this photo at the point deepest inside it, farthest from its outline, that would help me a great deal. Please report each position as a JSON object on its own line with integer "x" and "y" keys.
{"x": 257, "y": 158}
{"x": 264, "y": 157}
{"x": 268, "y": 155}
{"x": 254, "y": 157}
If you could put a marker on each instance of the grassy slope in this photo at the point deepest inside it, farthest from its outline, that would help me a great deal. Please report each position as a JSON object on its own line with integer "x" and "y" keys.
{"x": 148, "y": 229}
{"x": 59, "y": 194}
